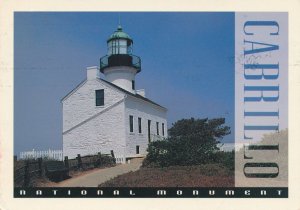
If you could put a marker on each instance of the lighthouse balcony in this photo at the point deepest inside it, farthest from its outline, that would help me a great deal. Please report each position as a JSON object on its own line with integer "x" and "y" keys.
{"x": 120, "y": 60}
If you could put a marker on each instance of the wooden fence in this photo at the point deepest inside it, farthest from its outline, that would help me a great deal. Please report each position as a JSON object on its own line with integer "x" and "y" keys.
{"x": 24, "y": 170}
{"x": 92, "y": 161}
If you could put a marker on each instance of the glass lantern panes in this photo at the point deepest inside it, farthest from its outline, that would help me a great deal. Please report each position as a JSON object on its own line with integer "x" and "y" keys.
{"x": 119, "y": 46}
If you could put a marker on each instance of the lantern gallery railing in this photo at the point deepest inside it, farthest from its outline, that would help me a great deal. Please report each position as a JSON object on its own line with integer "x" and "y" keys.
{"x": 120, "y": 60}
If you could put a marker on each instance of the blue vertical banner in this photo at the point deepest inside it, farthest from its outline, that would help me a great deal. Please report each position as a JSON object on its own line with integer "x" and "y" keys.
{"x": 261, "y": 99}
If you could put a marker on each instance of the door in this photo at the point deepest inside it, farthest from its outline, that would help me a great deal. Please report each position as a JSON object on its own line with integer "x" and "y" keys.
{"x": 149, "y": 126}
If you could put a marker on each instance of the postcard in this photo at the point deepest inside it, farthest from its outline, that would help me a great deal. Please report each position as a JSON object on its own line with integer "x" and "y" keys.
{"x": 144, "y": 108}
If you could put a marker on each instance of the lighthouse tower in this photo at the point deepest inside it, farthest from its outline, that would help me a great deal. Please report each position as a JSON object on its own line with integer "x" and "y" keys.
{"x": 119, "y": 65}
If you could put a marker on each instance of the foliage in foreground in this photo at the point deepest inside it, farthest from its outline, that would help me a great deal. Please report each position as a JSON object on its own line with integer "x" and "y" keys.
{"x": 209, "y": 175}
{"x": 191, "y": 142}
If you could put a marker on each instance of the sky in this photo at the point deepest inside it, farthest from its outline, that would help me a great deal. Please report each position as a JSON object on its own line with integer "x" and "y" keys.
{"x": 186, "y": 65}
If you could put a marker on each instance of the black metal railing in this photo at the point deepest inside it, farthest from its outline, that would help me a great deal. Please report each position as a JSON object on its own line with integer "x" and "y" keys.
{"x": 120, "y": 60}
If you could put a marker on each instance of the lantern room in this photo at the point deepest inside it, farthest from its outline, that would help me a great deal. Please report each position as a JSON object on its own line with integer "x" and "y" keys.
{"x": 119, "y": 43}
{"x": 119, "y": 52}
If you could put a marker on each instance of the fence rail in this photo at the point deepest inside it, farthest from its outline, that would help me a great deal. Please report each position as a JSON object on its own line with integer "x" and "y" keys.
{"x": 32, "y": 163}
{"x": 51, "y": 154}
{"x": 25, "y": 170}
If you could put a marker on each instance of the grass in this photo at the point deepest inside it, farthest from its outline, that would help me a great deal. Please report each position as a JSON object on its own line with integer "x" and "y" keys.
{"x": 209, "y": 175}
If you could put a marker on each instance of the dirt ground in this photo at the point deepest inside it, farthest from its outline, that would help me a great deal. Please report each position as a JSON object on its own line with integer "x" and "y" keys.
{"x": 92, "y": 178}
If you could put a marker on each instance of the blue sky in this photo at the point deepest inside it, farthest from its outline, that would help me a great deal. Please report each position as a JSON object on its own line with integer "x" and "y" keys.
{"x": 186, "y": 65}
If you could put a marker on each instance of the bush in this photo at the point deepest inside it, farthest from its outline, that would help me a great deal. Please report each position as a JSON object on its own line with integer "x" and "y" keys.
{"x": 208, "y": 175}
{"x": 171, "y": 153}
{"x": 225, "y": 158}
{"x": 191, "y": 142}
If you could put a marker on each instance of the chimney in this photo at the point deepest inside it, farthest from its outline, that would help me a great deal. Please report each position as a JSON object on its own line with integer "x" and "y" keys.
{"x": 141, "y": 92}
{"x": 92, "y": 72}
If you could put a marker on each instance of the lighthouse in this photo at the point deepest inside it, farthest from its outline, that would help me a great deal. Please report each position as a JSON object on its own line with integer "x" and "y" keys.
{"x": 106, "y": 113}
{"x": 119, "y": 65}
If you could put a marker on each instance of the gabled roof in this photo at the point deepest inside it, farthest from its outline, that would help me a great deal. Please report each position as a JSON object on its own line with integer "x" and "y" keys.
{"x": 117, "y": 87}
{"x": 132, "y": 94}
{"x": 73, "y": 90}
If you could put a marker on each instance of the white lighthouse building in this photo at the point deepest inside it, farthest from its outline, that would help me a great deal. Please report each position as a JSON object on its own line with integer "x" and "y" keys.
{"x": 109, "y": 114}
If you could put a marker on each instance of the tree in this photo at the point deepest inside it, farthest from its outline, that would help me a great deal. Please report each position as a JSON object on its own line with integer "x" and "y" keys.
{"x": 191, "y": 141}
{"x": 200, "y": 127}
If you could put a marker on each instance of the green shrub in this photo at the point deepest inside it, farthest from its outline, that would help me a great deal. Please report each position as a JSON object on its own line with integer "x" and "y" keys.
{"x": 191, "y": 142}
{"x": 225, "y": 158}
{"x": 183, "y": 153}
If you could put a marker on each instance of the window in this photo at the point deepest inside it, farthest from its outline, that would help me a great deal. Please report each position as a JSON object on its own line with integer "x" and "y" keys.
{"x": 133, "y": 84}
{"x": 140, "y": 124}
{"x": 99, "y": 97}
{"x": 137, "y": 149}
{"x": 113, "y": 47}
{"x": 131, "y": 123}
{"x": 157, "y": 128}
{"x": 163, "y": 129}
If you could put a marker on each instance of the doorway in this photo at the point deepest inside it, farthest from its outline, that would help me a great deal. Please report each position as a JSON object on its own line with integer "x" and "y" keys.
{"x": 149, "y": 126}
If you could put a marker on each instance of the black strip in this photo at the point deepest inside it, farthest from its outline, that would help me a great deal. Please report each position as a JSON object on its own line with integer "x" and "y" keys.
{"x": 143, "y": 192}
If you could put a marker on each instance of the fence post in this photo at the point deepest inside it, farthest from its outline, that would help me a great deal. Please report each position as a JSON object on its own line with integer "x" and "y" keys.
{"x": 66, "y": 161}
{"x": 26, "y": 174}
{"x": 40, "y": 167}
{"x": 112, "y": 153}
{"x": 99, "y": 161}
{"x": 79, "y": 161}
